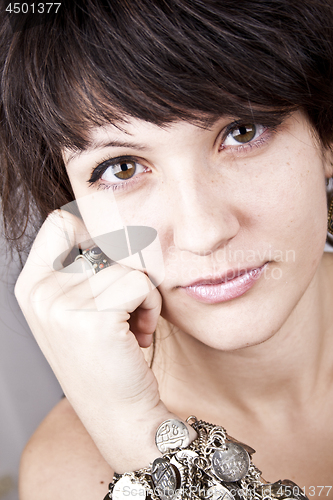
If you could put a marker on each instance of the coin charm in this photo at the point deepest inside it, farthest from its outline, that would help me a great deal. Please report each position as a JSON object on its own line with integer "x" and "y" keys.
{"x": 219, "y": 492}
{"x": 166, "y": 479}
{"x": 125, "y": 488}
{"x": 172, "y": 434}
{"x": 230, "y": 463}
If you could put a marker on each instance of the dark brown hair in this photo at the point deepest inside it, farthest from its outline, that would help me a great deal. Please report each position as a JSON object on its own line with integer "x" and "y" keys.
{"x": 96, "y": 61}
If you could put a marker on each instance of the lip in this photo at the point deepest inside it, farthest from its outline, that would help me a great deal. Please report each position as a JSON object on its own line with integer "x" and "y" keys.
{"x": 232, "y": 284}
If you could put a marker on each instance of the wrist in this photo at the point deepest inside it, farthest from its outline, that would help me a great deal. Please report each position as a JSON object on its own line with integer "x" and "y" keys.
{"x": 133, "y": 446}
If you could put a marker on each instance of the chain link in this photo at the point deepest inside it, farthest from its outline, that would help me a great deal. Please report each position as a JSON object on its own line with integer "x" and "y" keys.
{"x": 198, "y": 472}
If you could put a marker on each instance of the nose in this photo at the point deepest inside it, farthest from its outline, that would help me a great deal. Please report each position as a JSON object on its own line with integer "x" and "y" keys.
{"x": 203, "y": 219}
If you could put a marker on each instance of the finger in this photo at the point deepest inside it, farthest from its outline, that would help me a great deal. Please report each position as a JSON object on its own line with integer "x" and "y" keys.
{"x": 128, "y": 293}
{"x": 99, "y": 282}
{"x": 144, "y": 340}
{"x": 58, "y": 235}
{"x": 142, "y": 324}
{"x": 143, "y": 320}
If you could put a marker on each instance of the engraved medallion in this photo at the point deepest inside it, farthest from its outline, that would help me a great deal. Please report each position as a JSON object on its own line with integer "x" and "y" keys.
{"x": 219, "y": 492}
{"x": 230, "y": 463}
{"x": 166, "y": 479}
{"x": 125, "y": 489}
{"x": 172, "y": 434}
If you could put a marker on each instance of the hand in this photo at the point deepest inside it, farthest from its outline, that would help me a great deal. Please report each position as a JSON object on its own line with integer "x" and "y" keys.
{"x": 81, "y": 323}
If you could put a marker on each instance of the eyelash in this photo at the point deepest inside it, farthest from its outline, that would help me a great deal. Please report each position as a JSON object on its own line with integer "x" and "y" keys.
{"x": 102, "y": 166}
{"x": 265, "y": 134}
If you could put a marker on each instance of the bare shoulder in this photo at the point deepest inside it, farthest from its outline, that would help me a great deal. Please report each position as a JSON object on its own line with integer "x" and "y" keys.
{"x": 61, "y": 461}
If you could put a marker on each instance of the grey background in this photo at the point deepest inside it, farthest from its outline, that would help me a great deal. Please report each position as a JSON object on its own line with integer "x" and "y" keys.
{"x": 28, "y": 388}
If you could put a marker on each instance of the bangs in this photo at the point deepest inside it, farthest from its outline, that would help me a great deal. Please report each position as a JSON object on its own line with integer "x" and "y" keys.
{"x": 99, "y": 63}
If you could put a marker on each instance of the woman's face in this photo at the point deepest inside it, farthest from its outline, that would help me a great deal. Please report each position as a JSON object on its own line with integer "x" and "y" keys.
{"x": 240, "y": 211}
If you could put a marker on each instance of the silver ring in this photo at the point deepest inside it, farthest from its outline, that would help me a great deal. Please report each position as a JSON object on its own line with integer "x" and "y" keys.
{"x": 96, "y": 259}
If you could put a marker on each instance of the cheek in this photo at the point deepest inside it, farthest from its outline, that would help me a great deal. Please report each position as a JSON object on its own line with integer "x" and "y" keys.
{"x": 283, "y": 200}
{"x": 296, "y": 211}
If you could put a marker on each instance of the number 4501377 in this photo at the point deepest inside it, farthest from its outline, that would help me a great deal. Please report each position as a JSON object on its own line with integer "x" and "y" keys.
{"x": 38, "y": 8}
{"x": 311, "y": 491}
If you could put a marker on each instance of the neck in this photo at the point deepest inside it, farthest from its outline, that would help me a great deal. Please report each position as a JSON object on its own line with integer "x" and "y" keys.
{"x": 284, "y": 372}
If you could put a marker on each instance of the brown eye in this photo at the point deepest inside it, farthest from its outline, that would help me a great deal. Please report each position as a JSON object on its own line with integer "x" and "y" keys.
{"x": 118, "y": 171}
{"x": 244, "y": 133}
{"x": 124, "y": 169}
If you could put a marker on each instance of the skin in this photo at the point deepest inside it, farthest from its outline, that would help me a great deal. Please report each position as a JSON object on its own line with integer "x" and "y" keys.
{"x": 207, "y": 198}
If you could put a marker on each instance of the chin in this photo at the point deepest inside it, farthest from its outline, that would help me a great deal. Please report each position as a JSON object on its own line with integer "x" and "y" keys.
{"x": 234, "y": 341}
{"x": 232, "y": 325}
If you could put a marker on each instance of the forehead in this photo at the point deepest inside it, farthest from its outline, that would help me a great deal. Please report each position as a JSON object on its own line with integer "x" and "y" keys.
{"x": 137, "y": 134}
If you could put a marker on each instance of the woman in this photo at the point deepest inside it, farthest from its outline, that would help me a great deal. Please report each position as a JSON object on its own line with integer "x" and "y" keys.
{"x": 210, "y": 123}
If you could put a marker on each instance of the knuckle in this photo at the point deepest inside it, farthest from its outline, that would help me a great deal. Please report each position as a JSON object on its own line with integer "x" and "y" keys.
{"x": 139, "y": 277}
{"x": 38, "y": 292}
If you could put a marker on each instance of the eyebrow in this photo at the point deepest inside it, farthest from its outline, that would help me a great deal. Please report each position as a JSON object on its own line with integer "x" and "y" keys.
{"x": 105, "y": 144}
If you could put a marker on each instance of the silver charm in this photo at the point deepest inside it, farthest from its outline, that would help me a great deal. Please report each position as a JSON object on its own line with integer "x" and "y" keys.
{"x": 166, "y": 479}
{"x": 230, "y": 463}
{"x": 172, "y": 434}
{"x": 125, "y": 488}
{"x": 186, "y": 455}
{"x": 182, "y": 460}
